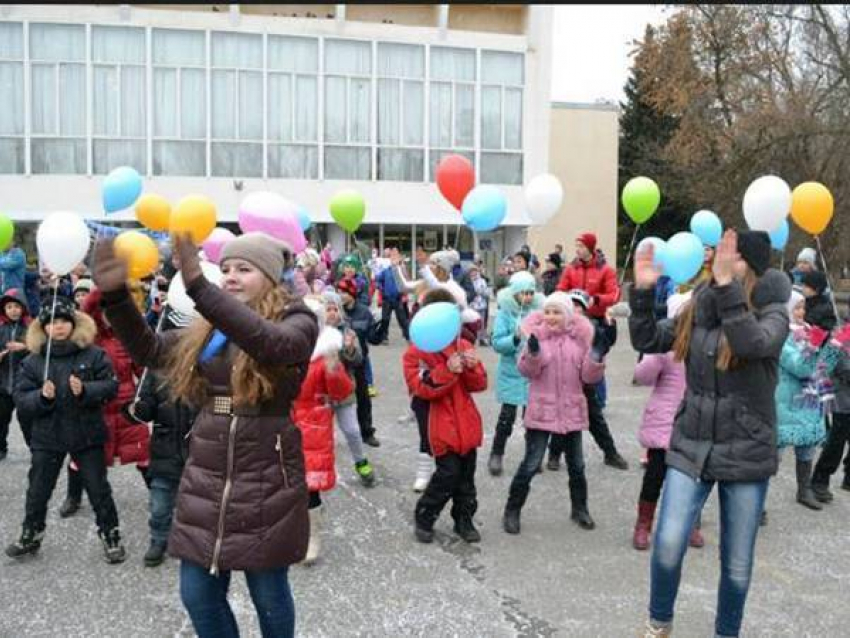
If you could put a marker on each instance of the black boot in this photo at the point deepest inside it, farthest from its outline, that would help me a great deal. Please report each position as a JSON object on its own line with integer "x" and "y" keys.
{"x": 821, "y": 491}
{"x": 494, "y": 464}
{"x": 113, "y": 550}
{"x": 554, "y": 463}
{"x": 510, "y": 520}
{"x": 578, "y": 498}
{"x": 155, "y": 554}
{"x": 805, "y": 496}
{"x": 465, "y": 528}
{"x": 28, "y": 543}
{"x": 425, "y": 519}
{"x": 71, "y": 505}
{"x": 616, "y": 461}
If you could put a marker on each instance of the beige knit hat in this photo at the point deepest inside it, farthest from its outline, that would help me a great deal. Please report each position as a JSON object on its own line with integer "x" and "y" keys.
{"x": 268, "y": 254}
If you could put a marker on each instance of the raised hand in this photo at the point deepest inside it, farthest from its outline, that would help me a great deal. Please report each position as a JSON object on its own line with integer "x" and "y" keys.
{"x": 646, "y": 272}
{"x": 110, "y": 271}
{"x": 725, "y": 259}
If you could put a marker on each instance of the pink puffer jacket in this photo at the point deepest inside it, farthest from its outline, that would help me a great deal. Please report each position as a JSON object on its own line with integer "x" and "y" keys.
{"x": 557, "y": 374}
{"x": 667, "y": 378}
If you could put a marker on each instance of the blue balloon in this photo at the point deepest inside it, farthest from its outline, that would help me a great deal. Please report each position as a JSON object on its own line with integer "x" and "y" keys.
{"x": 659, "y": 245}
{"x": 707, "y": 226}
{"x": 683, "y": 257}
{"x": 121, "y": 189}
{"x": 304, "y": 219}
{"x": 779, "y": 237}
{"x": 435, "y": 326}
{"x": 484, "y": 208}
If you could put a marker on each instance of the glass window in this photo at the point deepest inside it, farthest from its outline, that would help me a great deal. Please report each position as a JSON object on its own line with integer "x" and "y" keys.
{"x": 179, "y": 158}
{"x": 11, "y": 155}
{"x": 348, "y": 57}
{"x": 400, "y": 164}
{"x": 58, "y": 42}
{"x": 453, "y": 64}
{"x": 501, "y": 168}
{"x": 11, "y": 98}
{"x": 237, "y": 160}
{"x": 118, "y": 45}
{"x": 491, "y": 117}
{"x": 348, "y": 163}
{"x": 401, "y": 60}
{"x": 401, "y": 111}
{"x": 298, "y": 55}
{"x": 237, "y": 50}
{"x": 11, "y": 41}
{"x": 179, "y": 48}
{"x": 513, "y": 119}
{"x": 438, "y": 154}
{"x": 502, "y": 67}
{"x": 291, "y": 161}
{"x": 12, "y": 145}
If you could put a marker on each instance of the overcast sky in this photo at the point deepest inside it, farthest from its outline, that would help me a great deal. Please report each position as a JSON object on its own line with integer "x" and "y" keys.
{"x": 591, "y": 45}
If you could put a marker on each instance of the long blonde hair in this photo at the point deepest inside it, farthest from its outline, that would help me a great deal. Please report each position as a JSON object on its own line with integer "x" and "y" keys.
{"x": 685, "y": 326}
{"x": 251, "y": 383}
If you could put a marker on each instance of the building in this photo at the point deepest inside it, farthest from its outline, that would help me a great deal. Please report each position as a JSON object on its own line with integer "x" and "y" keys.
{"x": 304, "y": 100}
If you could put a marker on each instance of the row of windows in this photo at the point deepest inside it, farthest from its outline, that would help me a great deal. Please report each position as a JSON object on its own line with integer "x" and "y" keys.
{"x": 244, "y": 105}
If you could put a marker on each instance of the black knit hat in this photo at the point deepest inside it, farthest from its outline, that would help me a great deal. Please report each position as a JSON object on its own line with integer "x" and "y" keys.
{"x": 754, "y": 246}
{"x": 554, "y": 259}
{"x": 65, "y": 309}
{"x": 815, "y": 280}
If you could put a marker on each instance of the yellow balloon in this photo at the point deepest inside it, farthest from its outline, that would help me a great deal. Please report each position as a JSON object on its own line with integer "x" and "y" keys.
{"x": 194, "y": 214}
{"x": 139, "y": 251}
{"x": 812, "y": 207}
{"x": 153, "y": 211}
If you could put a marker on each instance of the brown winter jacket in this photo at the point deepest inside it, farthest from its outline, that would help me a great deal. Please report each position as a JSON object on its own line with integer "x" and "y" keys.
{"x": 242, "y": 501}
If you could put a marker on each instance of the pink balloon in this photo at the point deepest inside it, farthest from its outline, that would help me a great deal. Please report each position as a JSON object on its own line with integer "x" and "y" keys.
{"x": 269, "y": 213}
{"x": 214, "y": 244}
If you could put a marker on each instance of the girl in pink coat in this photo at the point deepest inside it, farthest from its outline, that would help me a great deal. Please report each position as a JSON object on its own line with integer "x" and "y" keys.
{"x": 666, "y": 376}
{"x": 559, "y": 356}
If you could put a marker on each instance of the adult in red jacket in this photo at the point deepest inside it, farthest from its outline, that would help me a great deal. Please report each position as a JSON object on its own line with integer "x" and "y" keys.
{"x": 590, "y": 272}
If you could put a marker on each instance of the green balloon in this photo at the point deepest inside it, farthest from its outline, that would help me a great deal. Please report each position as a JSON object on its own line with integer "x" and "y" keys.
{"x": 7, "y": 231}
{"x": 348, "y": 209}
{"x": 640, "y": 199}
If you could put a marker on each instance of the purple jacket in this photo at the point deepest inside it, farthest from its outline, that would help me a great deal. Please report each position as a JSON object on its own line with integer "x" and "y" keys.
{"x": 557, "y": 374}
{"x": 667, "y": 378}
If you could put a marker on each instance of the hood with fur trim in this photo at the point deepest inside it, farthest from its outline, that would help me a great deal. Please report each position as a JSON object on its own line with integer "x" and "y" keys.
{"x": 575, "y": 326}
{"x": 84, "y": 335}
{"x": 329, "y": 342}
{"x": 505, "y": 299}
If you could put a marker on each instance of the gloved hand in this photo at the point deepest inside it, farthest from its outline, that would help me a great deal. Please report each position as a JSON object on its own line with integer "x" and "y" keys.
{"x": 533, "y": 345}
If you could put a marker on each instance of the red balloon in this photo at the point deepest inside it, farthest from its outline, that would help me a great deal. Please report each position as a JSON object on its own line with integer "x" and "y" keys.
{"x": 455, "y": 178}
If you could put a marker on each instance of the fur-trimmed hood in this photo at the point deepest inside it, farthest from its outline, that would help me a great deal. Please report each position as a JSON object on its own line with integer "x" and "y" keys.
{"x": 507, "y": 300}
{"x": 84, "y": 335}
{"x": 575, "y": 326}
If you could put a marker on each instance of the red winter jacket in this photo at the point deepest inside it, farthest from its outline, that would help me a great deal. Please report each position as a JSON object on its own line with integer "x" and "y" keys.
{"x": 127, "y": 442}
{"x": 454, "y": 423}
{"x": 597, "y": 279}
{"x": 314, "y": 416}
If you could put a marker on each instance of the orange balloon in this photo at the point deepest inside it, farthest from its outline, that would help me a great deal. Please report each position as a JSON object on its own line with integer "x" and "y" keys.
{"x": 153, "y": 211}
{"x": 812, "y": 207}
{"x": 194, "y": 214}
{"x": 139, "y": 251}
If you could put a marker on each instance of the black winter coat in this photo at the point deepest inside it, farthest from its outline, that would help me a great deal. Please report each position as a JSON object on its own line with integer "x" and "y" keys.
{"x": 66, "y": 423}
{"x": 725, "y": 429}
{"x": 359, "y": 318}
{"x": 820, "y": 312}
{"x": 11, "y": 362}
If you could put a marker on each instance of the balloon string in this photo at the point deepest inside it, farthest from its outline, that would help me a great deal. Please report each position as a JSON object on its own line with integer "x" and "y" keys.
{"x": 629, "y": 255}
{"x": 828, "y": 281}
{"x": 50, "y": 336}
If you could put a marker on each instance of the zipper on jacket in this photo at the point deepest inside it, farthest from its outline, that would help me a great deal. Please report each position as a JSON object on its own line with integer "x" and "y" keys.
{"x": 279, "y": 448}
{"x": 225, "y": 495}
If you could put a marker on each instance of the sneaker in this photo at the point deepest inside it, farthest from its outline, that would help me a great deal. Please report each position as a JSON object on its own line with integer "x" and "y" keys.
{"x": 424, "y": 535}
{"x": 616, "y": 461}
{"x": 373, "y": 391}
{"x": 365, "y": 472}
{"x": 28, "y": 543}
{"x": 155, "y": 554}
{"x": 466, "y": 530}
{"x": 113, "y": 550}
{"x": 372, "y": 441}
{"x": 69, "y": 507}
{"x": 553, "y": 464}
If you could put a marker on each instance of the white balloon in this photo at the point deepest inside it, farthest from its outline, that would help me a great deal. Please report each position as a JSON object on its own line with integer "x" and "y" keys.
{"x": 543, "y": 197}
{"x": 177, "y": 296}
{"x": 767, "y": 203}
{"x": 63, "y": 241}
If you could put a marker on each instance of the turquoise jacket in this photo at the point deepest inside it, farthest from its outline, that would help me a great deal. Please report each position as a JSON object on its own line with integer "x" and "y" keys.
{"x": 511, "y": 386}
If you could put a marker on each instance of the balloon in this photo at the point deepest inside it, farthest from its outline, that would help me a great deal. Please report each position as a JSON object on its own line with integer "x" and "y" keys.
{"x": 640, "y": 199}
{"x": 811, "y": 207}
{"x": 177, "y": 297}
{"x": 139, "y": 251}
{"x": 214, "y": 244}
{"x": 659, "y": 245}
{"x": 121, "y": 188}
{"x": 779, "y": 237}
{"x": 543, "y": 197}
{"x": 683, "y": 257}
{"x": 194, "y": 214}
{"x": 348, "y": 209}
{"x": 766, "y": 203}
{"x": 62, "y": 240}
{"x": 304, "y": 219}
{"x": 708, "y": 227}
{"x": 484, "y": 208}
{"x": 455, "y": 178}
{"x": 7, "y": 231}
{"x": 154, "y": 212}
{"x": 435, "y": 326}
{"x": 268, "y": 212}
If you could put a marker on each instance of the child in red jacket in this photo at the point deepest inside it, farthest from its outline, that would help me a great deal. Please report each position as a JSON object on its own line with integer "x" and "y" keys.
{"x": 445, "y": 381}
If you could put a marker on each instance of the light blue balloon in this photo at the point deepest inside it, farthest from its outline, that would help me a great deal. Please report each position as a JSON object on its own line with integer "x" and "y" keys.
{"x": 708, "y": 227}
{"x": 304, "y": 219}
{"x": 683, "y": 257}
{"x": 121, "y": 189}
{"x": 659, "y": 245}
{"x": 435, "y": 326}
{"x": 779, "y": 237}
{"x": 484, "y": 208}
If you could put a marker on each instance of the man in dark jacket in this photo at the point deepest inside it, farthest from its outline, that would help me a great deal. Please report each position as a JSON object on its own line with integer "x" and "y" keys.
{"x": 552, "y": 275}
{"x": 13, "y": 329}
{"x": 392, "y": 300}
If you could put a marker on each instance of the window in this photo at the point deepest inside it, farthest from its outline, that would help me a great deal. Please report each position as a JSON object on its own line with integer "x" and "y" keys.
{"x": 293, "y": 107}
{"x": 401, "y": 111}
{"x": 12, "y": 147}
{"x": 348, "y": 113}
{"x": 58, "y": 103}
{"x": 179, "y": 93}
{"x": 451, "y": 110}
{"x": 119, "y": 108}
{"x": 501, "y": 117}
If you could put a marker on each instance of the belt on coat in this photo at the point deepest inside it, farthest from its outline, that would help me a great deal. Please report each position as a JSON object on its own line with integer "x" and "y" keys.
{"x": 223, "y": 405}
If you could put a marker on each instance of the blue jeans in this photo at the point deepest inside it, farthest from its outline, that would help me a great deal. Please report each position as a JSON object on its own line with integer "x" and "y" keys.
{"x": 741, "y": 505}
{"x": 205, "y": 598}
{"x": 370, "y": 377}
{"x": 163, "y": 493}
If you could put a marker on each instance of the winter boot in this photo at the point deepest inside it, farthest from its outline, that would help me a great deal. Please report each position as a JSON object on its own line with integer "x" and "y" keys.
{"x": 510, "y": 521}
{"x": 113, "y": 550}
{"x": 424, "y": 529}
{"x": 652, "y": 630}
{"x": 28, "y": 543}
{"x": 578, "y": 497}
{"x": 554, "y": 462}
{"x": 372, "y": 441}
{"x": 616, "y": 461}
{"x": 805, "y": 496}
{"x": 69, "y": 508}
{"x": 821, "y": 491}
{"x": 365, "y": 472}
{"x": 465, "y": 528}
{"x": 71, "y": 505}
{"x": 314, "y": 546}
{"x": 494, "y": 465}
{"x": 424, "y": 469}
{"x": 155, "y": 554}
{"x": 643, "y": 525}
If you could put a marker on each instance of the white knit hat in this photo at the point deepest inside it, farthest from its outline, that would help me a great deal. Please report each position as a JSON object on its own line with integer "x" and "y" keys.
{"x": 808, "y": 254}
{"x": 560, "y": 300}
{"x": 445, "y": 259}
